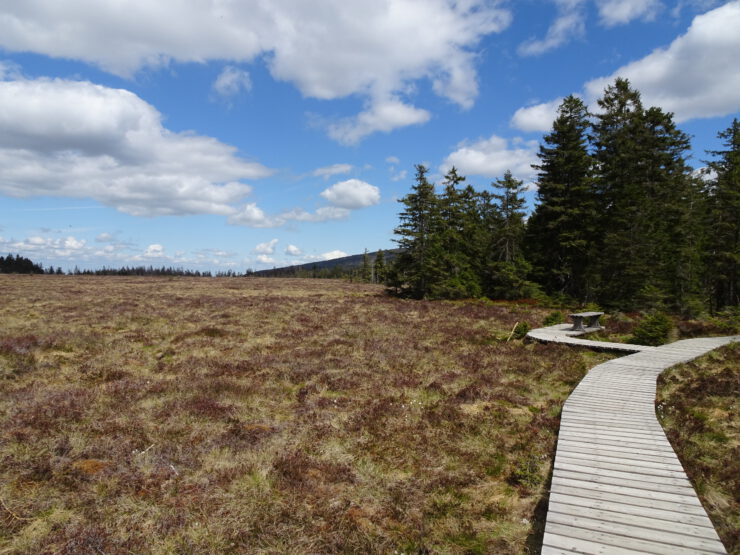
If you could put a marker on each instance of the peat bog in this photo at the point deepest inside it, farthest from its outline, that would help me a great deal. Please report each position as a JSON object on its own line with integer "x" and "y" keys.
{"x": 697, "y": 404}
{"x": 267, "y": 415}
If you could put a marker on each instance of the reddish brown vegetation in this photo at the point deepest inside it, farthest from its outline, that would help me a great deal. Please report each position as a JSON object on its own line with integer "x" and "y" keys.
{"x": 697, "y": 403}
{"x": 246, "y": 415}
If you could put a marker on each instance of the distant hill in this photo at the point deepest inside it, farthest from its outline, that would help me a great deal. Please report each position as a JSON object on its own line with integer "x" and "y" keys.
{"x": 336, "y": 267}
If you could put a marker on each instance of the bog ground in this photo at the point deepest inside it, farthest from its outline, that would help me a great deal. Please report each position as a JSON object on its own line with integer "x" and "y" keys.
{"x": 235, "y": 415}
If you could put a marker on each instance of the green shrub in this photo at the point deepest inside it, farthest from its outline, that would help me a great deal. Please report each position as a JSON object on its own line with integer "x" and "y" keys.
{"x": 553, "y": 318}
{"x": 521, "y": 330}
{"x": 654, "y": 330}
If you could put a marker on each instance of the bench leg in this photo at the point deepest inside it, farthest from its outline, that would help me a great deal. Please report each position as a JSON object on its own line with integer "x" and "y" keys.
{"x": 577, "y": 323}
{"x": 593, "y": 322}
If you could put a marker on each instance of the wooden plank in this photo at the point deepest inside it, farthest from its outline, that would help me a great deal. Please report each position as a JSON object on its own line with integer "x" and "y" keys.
{"x": 613, "y": 416}
{"x": 650, "y": 521}
{"x": 616, "y": 390}
{"x": 670, "y": 539}
{"x": 601, "y": 444}
{"x": 651, "y": 427}
{"x": 595, "y": 437}
{"x": 700, "y": 521}
{"x": 554, "y": 544}
{"x": 616, "y": 541}
{"x": 680, "y": 497}
{"x": 638, "y": 465}
{"x": 606, "y": 479}
{"x": 626, "y": 473}
{"x": 602, "y": 495}
{"x": 612, "y": 431}
{"x": 624, "y": 458}
{"x": 625, "y": 452}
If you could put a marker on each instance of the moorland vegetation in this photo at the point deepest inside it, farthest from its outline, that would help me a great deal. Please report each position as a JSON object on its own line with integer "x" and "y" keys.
{"x": 266, "y": 415}
{"x": 170, "y": 414}
{"x": 697, "y": 406}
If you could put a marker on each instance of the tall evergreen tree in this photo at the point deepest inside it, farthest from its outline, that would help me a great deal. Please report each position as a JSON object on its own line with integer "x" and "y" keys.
{"x": 508, "y": 269}
{"x": 379, "y": 267}
{"x": 417, "y": 270}
{"x": 366, "y": 273}
{"x": 459, "y": 240}
{"x": 507, "y": 241}
{"x": 562, "y": 230}
{"x": 670, "y": 209}
{"x": 723, "y": 219}
{"x": 642, "y": 179}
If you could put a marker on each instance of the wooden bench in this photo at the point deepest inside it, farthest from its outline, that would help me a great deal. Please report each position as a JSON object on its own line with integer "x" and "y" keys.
{"x": 592, "y": 321}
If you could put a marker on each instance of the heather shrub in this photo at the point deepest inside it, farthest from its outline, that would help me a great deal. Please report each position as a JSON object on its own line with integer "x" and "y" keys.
{"x": 521, "y": 330}
{"x": 554, "y": 318}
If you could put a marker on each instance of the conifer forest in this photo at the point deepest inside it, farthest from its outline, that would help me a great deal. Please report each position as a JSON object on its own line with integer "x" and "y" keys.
{"x": 622, "y": 220}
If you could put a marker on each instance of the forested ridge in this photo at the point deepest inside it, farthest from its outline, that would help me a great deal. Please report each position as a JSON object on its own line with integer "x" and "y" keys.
{"x": 621, "y": 220}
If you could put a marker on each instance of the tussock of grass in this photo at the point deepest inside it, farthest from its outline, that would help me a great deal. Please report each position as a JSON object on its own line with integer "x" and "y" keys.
{"x": 266, "y": 416}
{"x": 697, "y": 404}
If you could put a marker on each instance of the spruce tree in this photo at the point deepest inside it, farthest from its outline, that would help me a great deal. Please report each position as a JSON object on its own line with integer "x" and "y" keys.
{"x": 722, "y": 250}
{"x": 379, "y": 267}
{"x": 510, "y": 201}
{"x": 366, "y": 273}
{"x": 459, "y": 240}
{"x": 561, "y": 232}
{"x": 417, "y": 270}
{"x": 642, "y": 180}
{"x": 507, "y": 270}
{"x": 671, "y": 210}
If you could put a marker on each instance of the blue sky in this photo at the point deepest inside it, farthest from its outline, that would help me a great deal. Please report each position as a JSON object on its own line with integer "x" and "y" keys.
{"x": 232, "y": 135}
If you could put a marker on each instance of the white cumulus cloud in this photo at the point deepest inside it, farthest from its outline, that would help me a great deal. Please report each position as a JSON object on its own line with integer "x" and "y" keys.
{"x": 154, "y": 251}
{"x": 292, "y": 250}
{"x": 80, "y": 140}
{"x": 333, "y": 254}
{"x": 44, "y": 248}
{"x": 569, "y": 24}
{"x": 619, "y": 12}
{"x": 352, "y": 194}
{"x": 696, "y": 76}
{"x": 265, "y": 259}
{"x": 382, "y": 115}
{"x": 335, "y": 169}
{"x": 231, "y": 81}
{"x": 266, "y": 248}
{"x": 328, "y": 49}
{"x": 536, "y": 118}
{"x": 493, "y": 156}
{"x": 400, "y": 176}
{"x": 253, "y": 216}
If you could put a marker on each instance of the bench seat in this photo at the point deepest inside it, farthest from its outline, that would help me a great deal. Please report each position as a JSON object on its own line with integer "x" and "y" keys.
{"x": 592, "y": 321}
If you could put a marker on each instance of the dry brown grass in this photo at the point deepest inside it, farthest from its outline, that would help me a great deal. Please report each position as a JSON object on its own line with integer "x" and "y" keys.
{"x": 242, "y": 415}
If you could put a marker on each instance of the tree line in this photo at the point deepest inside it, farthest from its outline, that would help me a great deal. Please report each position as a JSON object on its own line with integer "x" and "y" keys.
{"x": 621, "y": 219}
{"x": 17, "y": 264}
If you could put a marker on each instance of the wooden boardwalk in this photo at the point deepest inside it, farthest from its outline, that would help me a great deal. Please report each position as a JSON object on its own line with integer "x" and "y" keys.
{"x": 617, "y": 485}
